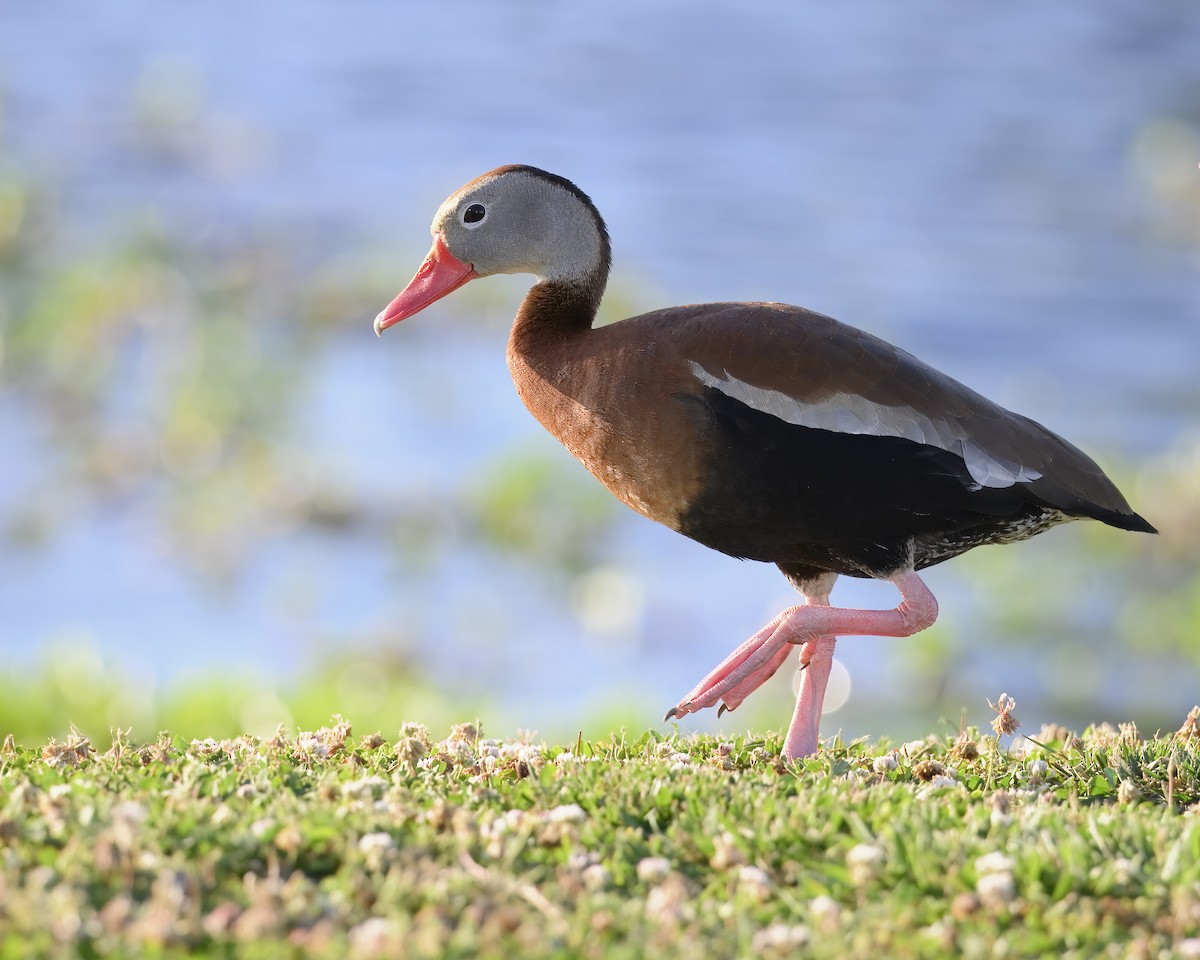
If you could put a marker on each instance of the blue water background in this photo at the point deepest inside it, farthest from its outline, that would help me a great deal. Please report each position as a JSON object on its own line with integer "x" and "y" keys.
{"x": 989, "y": 187}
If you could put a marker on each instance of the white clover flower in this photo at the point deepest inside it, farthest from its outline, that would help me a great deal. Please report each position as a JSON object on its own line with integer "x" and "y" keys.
{"x": 653, "y": 869}
{"x": 461, "y": 752}
{"x": 679, "y": 761}
{"x": 373, "y": 842}
{"x": 507, "y": 822}
{"x": 726, "y": 853}
{"x": 864, "y": 861}
{"x": 665, "y": 902}
{"x": 208, "y": 747}
{"x": 596, "y": 876}
{"x": 240, "y": 747}
{"x": 261, "y": 826}
{"x": 825, "y": 911}
{"x": 363, "y": 788}
{"x": 1126, "y": 869}
{"x": 781, "y": 937}
{"x": 375, "y": 847}
{"x": 417, "y": 730}
{"x": 994, "y": 862}
{"x": 567, "y": 813}
{"x": 755, "y": 881}
{"x": 995, "y": 886}
{"x": 375, "y": 937}
{"x": 532, "y": 757}
{"x": 1189, "y": 949}
{"x": 581, "y": 860}
{"x": 127, "y": 819}
{"x": 996, "y": 889}
{"x": 885, "y": 763}
{"x": 129, "y": 811}
{"x": 313, "y": 745}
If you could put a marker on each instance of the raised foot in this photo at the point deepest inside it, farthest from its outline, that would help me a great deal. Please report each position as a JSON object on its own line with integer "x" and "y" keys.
{"x": 744, "y": 670}
{"x": 816, "y": 626}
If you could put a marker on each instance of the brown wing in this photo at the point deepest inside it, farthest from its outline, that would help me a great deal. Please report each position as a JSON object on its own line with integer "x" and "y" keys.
{"x": 811, "y": 370}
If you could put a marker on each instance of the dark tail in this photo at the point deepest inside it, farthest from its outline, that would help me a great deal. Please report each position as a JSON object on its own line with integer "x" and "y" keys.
{"x": 1122, "y": 521}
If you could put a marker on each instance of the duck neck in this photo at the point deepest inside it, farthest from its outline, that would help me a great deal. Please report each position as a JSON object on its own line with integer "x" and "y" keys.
{"x": 555, "y": 311}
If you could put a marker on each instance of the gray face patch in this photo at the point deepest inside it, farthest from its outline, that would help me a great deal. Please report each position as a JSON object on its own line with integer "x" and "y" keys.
{"x": 847, "y": 413}
{"x": 528, "y": 225}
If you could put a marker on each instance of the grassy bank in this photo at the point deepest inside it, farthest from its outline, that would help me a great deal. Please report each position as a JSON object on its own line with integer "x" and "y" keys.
{"x": 335, "y": 843}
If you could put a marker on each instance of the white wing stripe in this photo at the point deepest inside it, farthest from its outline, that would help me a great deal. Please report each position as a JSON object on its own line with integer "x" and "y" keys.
{"x": 846, "y": 413}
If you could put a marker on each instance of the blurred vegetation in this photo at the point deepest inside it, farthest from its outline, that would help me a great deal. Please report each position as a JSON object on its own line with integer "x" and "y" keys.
{"x": 74, "y": 687}
{"x": 158, "y": 372}
{"x": 167, "y": 373}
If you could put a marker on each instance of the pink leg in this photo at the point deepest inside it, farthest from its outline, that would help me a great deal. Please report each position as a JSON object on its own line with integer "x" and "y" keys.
{"x": 816, "y": 625}
{"x": 816, "y": 661}
{"x": 801, "y": 738}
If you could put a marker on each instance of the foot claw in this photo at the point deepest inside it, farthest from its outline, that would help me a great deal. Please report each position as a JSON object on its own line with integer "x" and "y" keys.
{"x": 671, "y": 714}
{"x": 721, "y": 709}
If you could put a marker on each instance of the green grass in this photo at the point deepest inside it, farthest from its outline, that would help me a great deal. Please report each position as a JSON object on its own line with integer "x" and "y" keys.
{"x": 332, "y": 845}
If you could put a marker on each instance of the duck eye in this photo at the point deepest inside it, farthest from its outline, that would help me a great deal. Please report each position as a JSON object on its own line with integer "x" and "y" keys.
{"x": 474, "y": 215}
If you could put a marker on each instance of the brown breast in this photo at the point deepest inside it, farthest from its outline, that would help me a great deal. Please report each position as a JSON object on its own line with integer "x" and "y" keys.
{"x": 607, "y": 397}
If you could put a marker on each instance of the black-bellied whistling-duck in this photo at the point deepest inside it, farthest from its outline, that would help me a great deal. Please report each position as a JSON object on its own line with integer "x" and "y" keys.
{"x": 762, "y": 430}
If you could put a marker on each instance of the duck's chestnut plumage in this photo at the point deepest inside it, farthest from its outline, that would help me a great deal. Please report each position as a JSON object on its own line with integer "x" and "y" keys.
{"x": 766, "y": 431}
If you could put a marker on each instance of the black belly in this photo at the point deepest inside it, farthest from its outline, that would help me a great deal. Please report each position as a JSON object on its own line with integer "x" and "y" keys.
{"x": 819, "y": 501}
